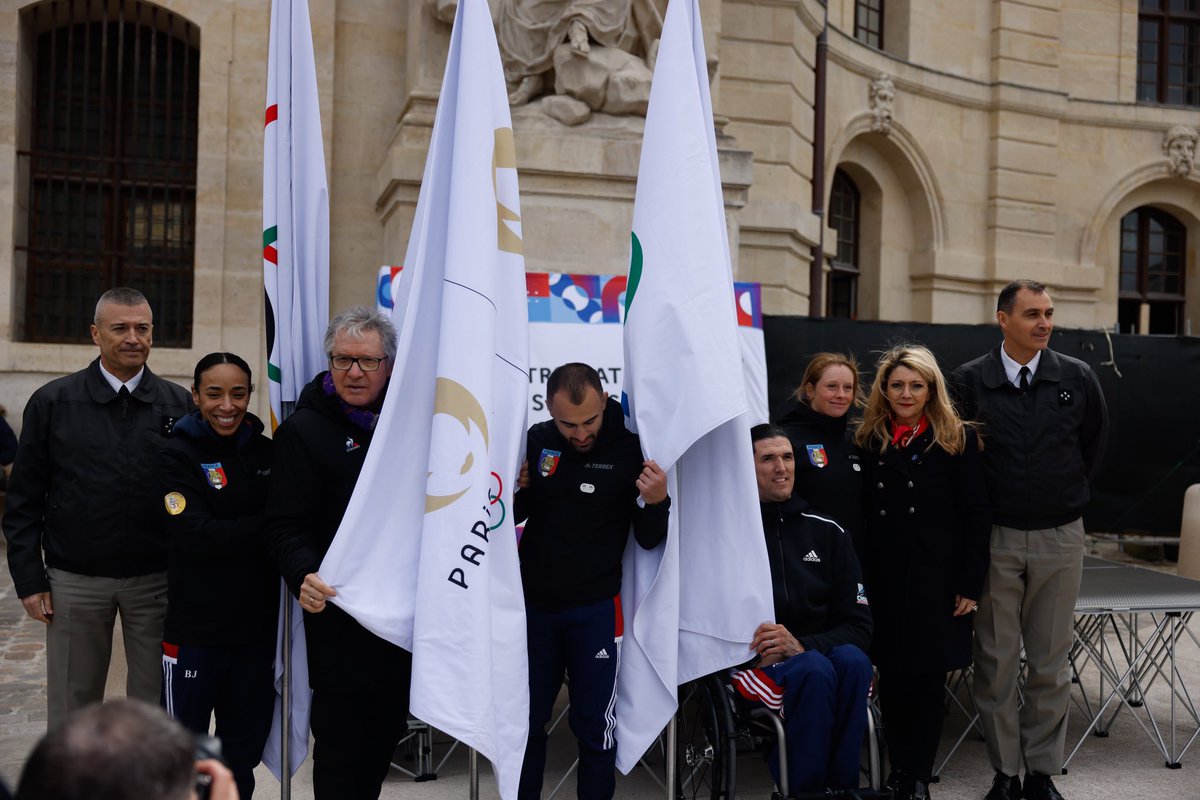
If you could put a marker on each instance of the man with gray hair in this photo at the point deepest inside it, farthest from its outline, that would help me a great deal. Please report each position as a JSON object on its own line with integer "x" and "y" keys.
{"x": 84, "y": 490}
{"x": 359, "y": 681}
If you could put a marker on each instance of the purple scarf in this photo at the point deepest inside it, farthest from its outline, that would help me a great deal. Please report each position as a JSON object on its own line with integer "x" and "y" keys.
{"x": 363, "y": 418}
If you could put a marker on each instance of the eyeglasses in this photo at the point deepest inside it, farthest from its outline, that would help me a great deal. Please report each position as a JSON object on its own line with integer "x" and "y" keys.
{"x": 365, "y": 363}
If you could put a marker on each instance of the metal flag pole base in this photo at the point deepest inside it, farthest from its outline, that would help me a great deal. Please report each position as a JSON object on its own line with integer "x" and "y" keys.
{"x": 285, "y": 685}
{"x": 473, "y": 771}
{"x": 670, "y": 776}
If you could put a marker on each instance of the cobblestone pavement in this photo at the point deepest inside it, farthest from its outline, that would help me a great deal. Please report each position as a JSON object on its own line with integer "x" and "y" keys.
{"x": 22, "y": 679}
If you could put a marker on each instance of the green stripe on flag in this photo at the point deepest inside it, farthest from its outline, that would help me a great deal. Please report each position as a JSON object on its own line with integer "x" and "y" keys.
{"x": 270, "y": 235}
{"x": 635, "y": 272}
{"x": 274, "y": 374}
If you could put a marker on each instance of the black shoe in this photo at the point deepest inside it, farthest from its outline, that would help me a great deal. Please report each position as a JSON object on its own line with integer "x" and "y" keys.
{"x": 1040, "y": 787}
{"x": 898, "y": 783}
{"x": 920, "y": 791}
{"x": 1004, "y": 787}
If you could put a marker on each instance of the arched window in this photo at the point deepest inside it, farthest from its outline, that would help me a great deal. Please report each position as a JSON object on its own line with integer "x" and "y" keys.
{"x": 842, "y": 290}
{"x": 110, "y": 160}
{"x": 1151, "y": 296}
{"x": 1169, "y": 52}
{"x": 868, "y": 22}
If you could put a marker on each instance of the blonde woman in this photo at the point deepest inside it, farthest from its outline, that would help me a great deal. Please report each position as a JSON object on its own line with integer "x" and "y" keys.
{"x": 927, "y": 524}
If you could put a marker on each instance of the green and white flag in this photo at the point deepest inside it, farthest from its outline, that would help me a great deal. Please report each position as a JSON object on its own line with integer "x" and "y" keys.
{"x": 296, "y": 278}
{"x": 696, "y": 600}
{"x": 295, "y": 210}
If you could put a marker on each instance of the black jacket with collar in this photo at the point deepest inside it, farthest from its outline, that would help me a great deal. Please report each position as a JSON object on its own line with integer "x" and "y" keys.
{"x": 578, "y": 510}
{"x": 85, "y": 485}
{"x": 816, "y": 578}
{"x": 828, "y": 472}
{"x": 1043, "y": 445}
{"x": 214, "y": 491}
{"x": 927, "y": 531}
{"x": 319, "y": 454}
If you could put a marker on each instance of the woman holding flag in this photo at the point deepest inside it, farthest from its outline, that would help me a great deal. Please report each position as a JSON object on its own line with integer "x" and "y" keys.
{"x": 222, "y": 591}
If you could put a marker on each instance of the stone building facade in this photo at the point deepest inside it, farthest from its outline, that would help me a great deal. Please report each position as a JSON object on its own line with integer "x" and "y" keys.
{"x": 965, "y": 144}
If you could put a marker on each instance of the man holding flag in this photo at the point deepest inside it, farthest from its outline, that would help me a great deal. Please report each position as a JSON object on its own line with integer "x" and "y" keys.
{"x": 360, "y": 682}
{"x": 588, "y": 484}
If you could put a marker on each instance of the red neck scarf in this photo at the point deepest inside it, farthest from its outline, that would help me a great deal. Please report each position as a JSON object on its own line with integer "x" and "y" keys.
{"x": 903, "y": 434}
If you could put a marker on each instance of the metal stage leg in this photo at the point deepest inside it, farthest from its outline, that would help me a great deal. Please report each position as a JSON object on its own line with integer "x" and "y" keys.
{"x": 473, "y": 767}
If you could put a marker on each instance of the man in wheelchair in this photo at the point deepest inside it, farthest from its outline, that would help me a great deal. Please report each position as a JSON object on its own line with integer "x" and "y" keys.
{"x": 811, "y": 665}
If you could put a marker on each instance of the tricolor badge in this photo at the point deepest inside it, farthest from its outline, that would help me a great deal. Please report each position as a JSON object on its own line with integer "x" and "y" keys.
{"x": 215, "y": 474}
{"x": 548, "y": 462}
{"x": 816, "y": 455}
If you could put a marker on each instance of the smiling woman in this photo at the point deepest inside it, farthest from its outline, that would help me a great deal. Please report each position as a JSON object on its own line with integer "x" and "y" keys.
{"x": 219, "y": 646}
{"x": 927, "y": 523}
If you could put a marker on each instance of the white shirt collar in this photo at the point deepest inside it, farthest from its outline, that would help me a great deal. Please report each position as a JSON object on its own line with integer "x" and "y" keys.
{"x": 1013, "y": 370}
{"x": 116, "y": 383}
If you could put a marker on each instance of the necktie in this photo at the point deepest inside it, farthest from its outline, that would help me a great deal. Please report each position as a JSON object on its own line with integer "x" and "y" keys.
{"x": 1024, "y": 375}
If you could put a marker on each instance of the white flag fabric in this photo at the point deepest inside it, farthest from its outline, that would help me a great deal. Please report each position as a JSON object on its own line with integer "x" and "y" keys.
{"x": 696, "y": 600}
{"x": 427, "y": 558}
{"x": 295, "y": 276}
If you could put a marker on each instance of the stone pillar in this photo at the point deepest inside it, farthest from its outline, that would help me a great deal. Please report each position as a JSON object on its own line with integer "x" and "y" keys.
{"x": 1023, "y": 153}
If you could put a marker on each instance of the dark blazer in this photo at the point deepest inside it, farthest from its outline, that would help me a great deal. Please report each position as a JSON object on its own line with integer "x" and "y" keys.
{"x": 927, "y": 531}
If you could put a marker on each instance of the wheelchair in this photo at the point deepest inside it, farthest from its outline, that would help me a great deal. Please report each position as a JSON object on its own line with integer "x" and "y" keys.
{"x": 714, "y": 725}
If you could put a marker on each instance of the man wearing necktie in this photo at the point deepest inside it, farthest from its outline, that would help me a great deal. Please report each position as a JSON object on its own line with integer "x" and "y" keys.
{"x": 1044, "y": 425}
{"x": 84, "y": 491}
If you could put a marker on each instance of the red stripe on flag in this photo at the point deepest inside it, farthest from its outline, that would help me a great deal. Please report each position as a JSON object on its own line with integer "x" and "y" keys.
{"x": 271, "y": 254}
{"x": 272, "y": 114}
{"x": 620, "y": 618}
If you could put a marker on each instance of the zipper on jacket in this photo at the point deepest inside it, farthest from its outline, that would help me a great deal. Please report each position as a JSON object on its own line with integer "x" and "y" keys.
{"x": 782, "y": 563}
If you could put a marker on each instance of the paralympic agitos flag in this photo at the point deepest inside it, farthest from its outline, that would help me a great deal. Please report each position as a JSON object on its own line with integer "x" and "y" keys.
{"x": 295, "y": 275}
{"x": 426, "y": 554}
{"x": 696, "y": 600}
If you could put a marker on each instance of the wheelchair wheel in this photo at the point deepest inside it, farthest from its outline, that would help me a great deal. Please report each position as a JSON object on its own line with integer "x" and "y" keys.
{"x": 705, "y": 746}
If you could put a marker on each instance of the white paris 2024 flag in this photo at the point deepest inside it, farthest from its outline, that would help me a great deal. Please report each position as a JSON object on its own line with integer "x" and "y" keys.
{"x": 426, "y": 555}
{"x": 696, "y": 600}
{"x": 296, "y": 278}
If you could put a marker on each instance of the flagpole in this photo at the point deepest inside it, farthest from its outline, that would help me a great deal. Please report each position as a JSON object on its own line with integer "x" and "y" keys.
{"x": 473, "y": 769}
{"x": 670, "y": 776}
{"x": 285, "y": 712}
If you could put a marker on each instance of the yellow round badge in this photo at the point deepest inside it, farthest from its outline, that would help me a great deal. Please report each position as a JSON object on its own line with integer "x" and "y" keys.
{"x": 175, "y": 503}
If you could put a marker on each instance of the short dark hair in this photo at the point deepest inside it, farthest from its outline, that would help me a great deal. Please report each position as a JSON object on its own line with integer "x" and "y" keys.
{"x": 766, "y": 430}
{"x": 574, "y": 379}
{"x": 1008, "y": 295}
{"x": 213, "y": 359}
{"x": 120, "y": 296}
{"x": 123, "y": 750}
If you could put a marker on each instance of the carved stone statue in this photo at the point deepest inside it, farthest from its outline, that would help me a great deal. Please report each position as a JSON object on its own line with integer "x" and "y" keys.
{"x": 882, "y": 96}
{"x": 578, "y": 56}
{"x": 1179, "y": 146}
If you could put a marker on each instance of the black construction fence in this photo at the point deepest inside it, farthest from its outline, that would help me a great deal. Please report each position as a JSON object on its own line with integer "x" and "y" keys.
{"x": 1151, "y": 385}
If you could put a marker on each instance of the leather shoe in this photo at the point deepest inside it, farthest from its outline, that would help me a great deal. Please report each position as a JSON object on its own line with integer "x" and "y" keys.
{"x": 1040, "y": 787}
{"x": 1004, "y": 787}
{"x": 920, "y": 791}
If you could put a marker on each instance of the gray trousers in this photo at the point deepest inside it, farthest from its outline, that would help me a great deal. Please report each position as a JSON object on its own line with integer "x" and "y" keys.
{"x": 1029, "y": 598}
{"x": 79, "y": 638}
